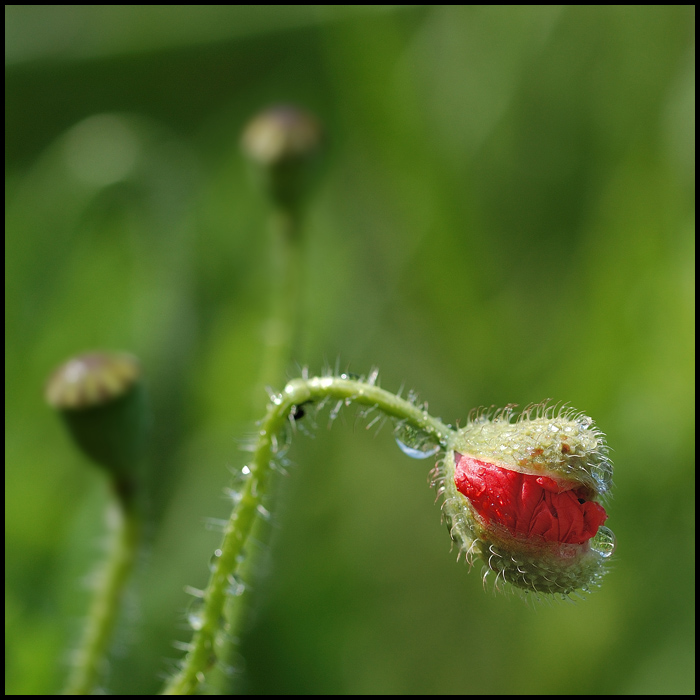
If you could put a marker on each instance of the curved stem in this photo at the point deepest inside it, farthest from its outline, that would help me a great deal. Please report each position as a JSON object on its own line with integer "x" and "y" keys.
{"x": 202, "y": 654}
{"x": 125, "y": 527}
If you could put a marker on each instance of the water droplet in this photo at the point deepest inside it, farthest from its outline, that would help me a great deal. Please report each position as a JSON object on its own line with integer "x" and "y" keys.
{"x": 235, "y": 587}
{"x": 195, "y": 614}
{"x": 213, "y": 562}
{"x": 222, "y": 641}
{"x": 415, "y": 443}
{"x": 604, "y": 542}
{"x": 602, "y": 473}
{"x": 234, "y": 495}
{"x": 584, "y": 422}
{"x": 416, "y": 453}
{"x": 245, "y": 470}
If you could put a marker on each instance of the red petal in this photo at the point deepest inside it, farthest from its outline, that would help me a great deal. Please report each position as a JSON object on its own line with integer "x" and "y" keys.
{"x": 527, "y": 505}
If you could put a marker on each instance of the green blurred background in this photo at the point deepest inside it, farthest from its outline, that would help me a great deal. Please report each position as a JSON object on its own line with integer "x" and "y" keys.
{"x": 506, "y": 214}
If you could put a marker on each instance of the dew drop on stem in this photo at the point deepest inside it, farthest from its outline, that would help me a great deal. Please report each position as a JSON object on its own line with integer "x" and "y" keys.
{"x": 236, "y": 586}
{"x": 195, "y": 614}
{"x": 415, "y": 443}
{"x": 214, "y": 560}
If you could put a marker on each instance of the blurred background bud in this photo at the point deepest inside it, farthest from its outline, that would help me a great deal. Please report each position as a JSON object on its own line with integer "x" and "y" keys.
{"x": 284, "y": 143}
{"x": 102, "y": 400}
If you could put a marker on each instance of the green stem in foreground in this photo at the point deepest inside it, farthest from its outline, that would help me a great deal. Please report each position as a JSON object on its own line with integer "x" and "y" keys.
{"x": 203, "y": 650}
{"x": 280, "y": 338}
{"x": 89, "y": 658}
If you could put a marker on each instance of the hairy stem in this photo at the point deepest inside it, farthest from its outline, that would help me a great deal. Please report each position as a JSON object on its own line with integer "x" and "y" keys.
{"x": 124, "y": 524}
{"x": 203, "y": 651}
{"x": 281, "y": 334}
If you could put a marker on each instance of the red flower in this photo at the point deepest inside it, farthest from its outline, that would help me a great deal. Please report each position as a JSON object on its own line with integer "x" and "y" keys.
{"x": 527, "y": 505}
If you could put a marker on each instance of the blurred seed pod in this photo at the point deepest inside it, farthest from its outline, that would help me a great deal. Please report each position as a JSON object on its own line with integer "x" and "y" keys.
{"x": 102, "y": 400}
{"x": 284, "y": 143}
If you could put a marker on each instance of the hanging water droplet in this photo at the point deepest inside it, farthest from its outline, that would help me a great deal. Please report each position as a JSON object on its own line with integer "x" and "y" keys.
{"x": 195, "y": 614}
{"x": 417, "y": 453}
{"x": 213, "y": 562}
{"x": 234, "y": 494}
{"x": 222, "y": 641}
{"x": 236, "y": 586}
{"x": 604, "y": 542}
{"x": 415, "y": 443}
{"x": 602, "y": 473}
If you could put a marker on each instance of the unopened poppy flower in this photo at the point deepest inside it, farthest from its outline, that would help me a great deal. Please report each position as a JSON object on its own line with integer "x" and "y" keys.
{"x": 101, "y": 397}
{"x": 524, "y": 496}
{"x": 284, "y": 143}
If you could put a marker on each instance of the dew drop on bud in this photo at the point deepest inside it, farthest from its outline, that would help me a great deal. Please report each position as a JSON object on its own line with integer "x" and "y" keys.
{"x": 602, "y": 473}
{"x": 603, "y": 542}
{"x": 415, "y": 443}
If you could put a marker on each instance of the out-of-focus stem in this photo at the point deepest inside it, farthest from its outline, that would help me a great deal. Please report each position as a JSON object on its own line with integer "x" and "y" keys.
{"x": 281, "y": 329}
{"x": 124, "y": 524}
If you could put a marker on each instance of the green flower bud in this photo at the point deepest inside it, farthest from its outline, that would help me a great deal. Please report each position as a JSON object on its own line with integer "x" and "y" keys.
{"x": 101, "y": 398}
{"x": 284, "y": 143}
{"x": 524, "y": 496}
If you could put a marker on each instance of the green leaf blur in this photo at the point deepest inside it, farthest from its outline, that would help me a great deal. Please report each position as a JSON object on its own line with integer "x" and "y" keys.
{"x": 506, "y": 214}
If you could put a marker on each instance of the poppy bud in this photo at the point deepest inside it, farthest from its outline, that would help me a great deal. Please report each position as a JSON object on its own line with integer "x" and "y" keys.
{"x": 524, "y": 496}
{"x": 100, "y": 396}
{"x": 284, "y": 143}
